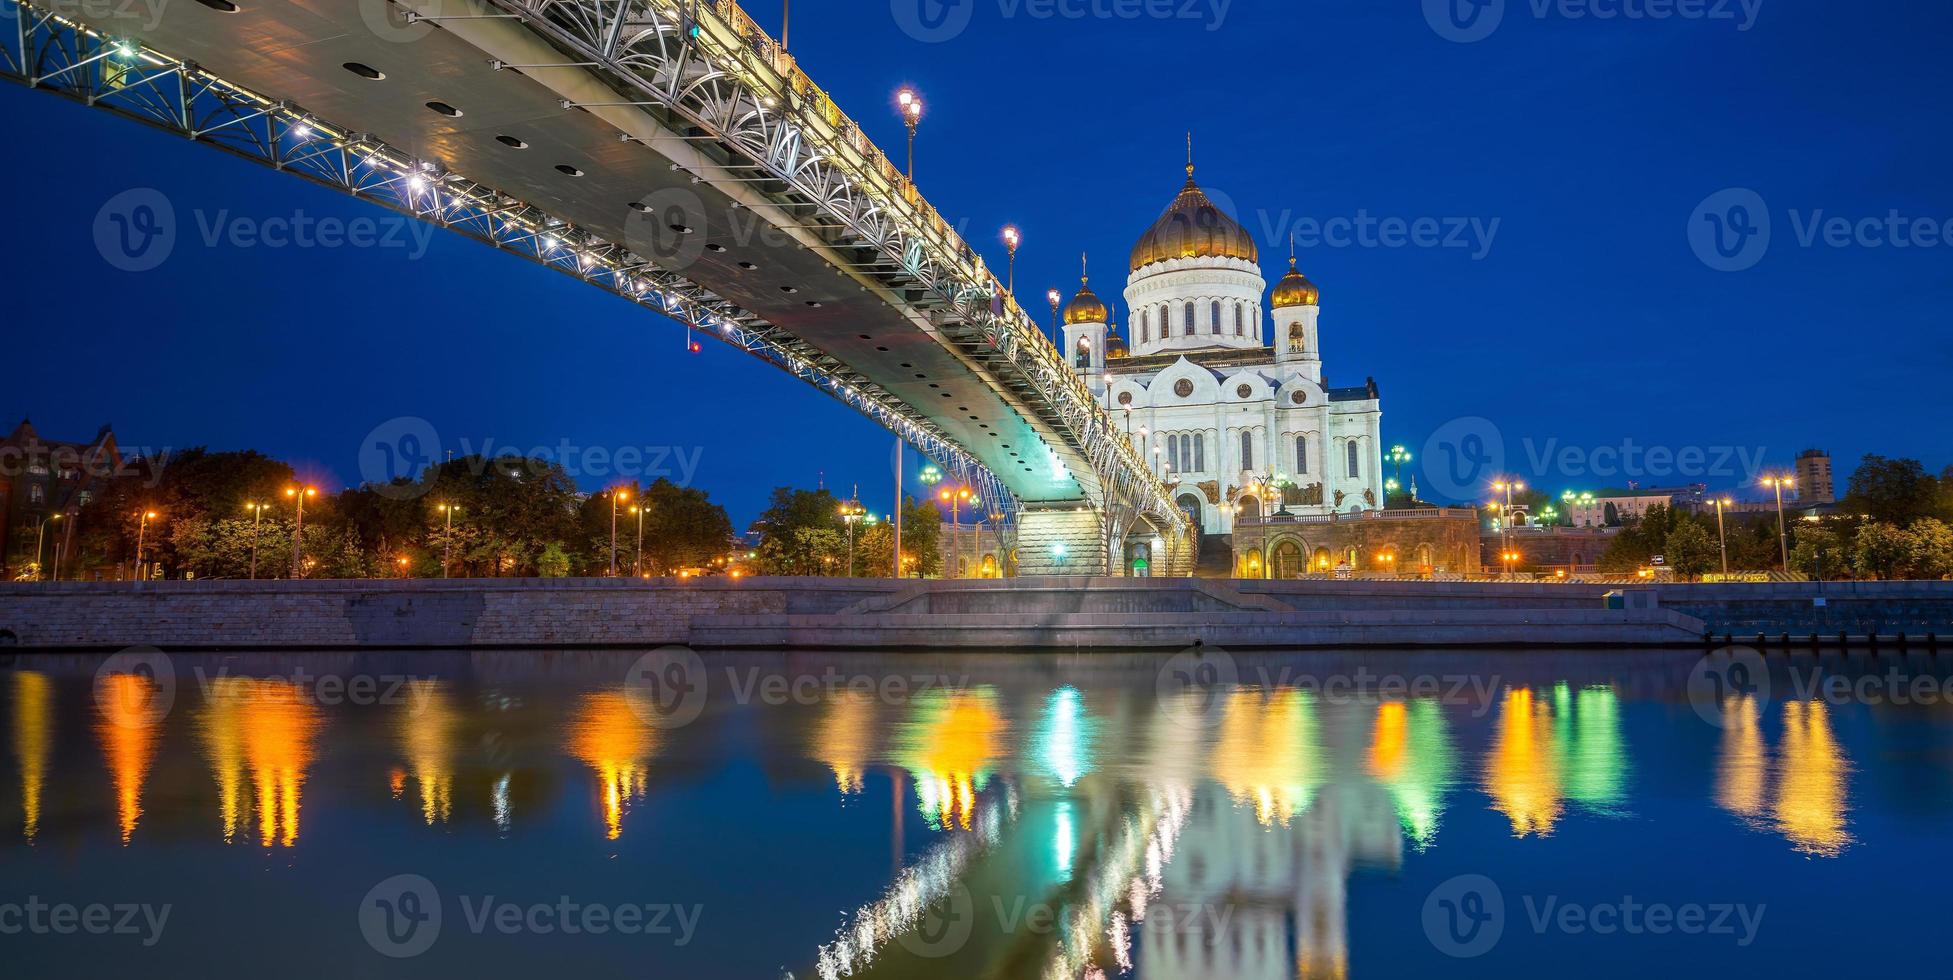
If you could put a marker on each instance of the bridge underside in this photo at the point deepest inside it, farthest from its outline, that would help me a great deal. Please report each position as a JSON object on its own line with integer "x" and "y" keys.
{"x": 624, "y": 182}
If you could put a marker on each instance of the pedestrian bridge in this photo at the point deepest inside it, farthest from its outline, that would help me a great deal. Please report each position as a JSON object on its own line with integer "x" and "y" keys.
{"x": 666, "y": 151}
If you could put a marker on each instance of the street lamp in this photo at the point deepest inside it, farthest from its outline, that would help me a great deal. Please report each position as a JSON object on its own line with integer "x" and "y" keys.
{"x": 956, "y": 497}
{"x": 447, "y": 537}
{"x": 1721, "y": 535}
{"x": 852, "y": 513}
{"x": 257, "y": 509}
{"x": 1783, "y": 535}
{"x": 1399, "y": 456}
{"x": 1505, "y": 518}
{"x": 911, "y": 104}
{"x": 1057, "y": 325}
{"x": 298, "y": 495}
{"x": 617, "y": 496}
{"x": 637, "y": 557}
{"x": 40, "y": 538}
{"x": 142, "y": 532}
{"x": 1012, "y": 239}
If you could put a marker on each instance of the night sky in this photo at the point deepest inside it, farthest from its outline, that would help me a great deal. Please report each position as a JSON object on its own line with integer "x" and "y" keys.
{"x": 1588, "y": 323}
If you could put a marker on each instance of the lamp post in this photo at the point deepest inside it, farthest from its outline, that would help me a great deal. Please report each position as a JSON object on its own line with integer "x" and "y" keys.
{"x": 257, "y": 509}
{"x": 637, "y": 556}
{"x": 1783, "y": 534}
{"x": 1012, "y": 239}
{"x": 911, "y": 104}
{"x": 1057, "y": 324}
{"x": 617, "y": 496}
{"x": 40, "y": 540}
{"x": 956, "y": 497}
{"x": 298, "y": 495}
{"x": 447, "y": 537}
{"x": 930, "y": 477}
{"x": 851, "y": 514}
{"x": 1398, "y": 456}
{"x": 142, "y": 533}
{"x": 1505, "y": 516}
{"x": 1722, "y": 535}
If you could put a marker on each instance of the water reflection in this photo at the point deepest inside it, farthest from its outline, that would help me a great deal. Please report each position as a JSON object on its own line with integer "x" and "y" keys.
{"x": 610, "y": 737}
{"x": 128, "y": 725}
{"x": 1550, "y": 750}
{"x": 845, "y": 738}
{"x": 1412, "y": 756}
{"x": 33, "y": 735}
{"x": 1267, "y": 754}
{"x": 429, "y": 729}
{"x": 950, "y": 743}
{"x": 263, "y": 731}
{"x": 1804, "y": 795}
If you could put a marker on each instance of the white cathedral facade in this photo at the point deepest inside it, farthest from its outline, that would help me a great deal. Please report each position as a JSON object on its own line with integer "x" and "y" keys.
{"x": 1238, "y": 418}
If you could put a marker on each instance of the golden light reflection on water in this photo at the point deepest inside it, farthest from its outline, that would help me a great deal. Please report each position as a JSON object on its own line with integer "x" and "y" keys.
{"x": 1522, "y": 774}
{"x": 1811, "y": 781}
{"x": 1742, "y": 763}
{"x": 128, "y": 727}
{"x": 1267, "y": 753}
{"x": 1412, "y": 756}
{"x": 33, "y": 736}
{"x": 428, "y": 732}
{"x": 609, "y": 736}
{"x": 844, "y": 739}
{"x": 950, "y": 743}
{"x": 259, "y": 735}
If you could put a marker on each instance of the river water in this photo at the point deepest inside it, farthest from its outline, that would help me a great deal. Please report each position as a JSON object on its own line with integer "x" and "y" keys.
{"x": 672, "y": 814}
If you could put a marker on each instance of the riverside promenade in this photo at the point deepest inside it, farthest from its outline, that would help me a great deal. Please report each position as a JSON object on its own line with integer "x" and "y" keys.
{"x": 1021, "y": 614}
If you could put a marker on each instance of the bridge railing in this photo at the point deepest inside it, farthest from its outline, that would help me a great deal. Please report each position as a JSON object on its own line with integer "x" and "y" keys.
{"x": 772, "y": 69}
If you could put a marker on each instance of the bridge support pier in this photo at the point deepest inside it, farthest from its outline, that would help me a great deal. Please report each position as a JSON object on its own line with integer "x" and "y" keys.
{"x": 1061, "y": 542}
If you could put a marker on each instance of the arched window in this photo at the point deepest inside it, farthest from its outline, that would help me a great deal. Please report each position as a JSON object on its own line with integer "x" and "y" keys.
{"x": 1217, "y": 317}
{"x": 1353, "y": 471}
{"x": 1084, "y": 353}
{"x": 1200, "y": 453}
{"x": 1173, "y": 453}
{"x": 1247, "y": 450}
{"x": 1166, "y": 322}
{"x": 1302, "y": 454}
{"x": 1298, "y": 339}
{"x": 1190, "y": 319}
{"x": 1240, "y": 320}
{"x": 1145, "y": 326}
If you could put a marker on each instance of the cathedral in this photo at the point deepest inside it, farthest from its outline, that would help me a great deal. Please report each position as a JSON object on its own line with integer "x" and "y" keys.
{"x": 1228, "y": 402}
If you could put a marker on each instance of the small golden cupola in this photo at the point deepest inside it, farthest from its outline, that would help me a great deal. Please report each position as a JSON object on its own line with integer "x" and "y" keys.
{"x": 1295, "y": 289}
{"x": 1115, "y": 345}
{"x": 1086, "y": 307}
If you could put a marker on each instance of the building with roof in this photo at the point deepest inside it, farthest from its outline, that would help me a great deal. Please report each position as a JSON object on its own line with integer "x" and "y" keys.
{"x": 1612, "y": 508}
{"x": 43, "y": 487}
{"x": 1814, "y": 484}
{"x": 1220, "y": 382}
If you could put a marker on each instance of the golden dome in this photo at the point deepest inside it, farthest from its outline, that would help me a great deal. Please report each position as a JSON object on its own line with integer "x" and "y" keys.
{"x": 1115, "y": 345}
{"x": 1295, "y": 289}
{"x": 1086, "y": 307}
{"x": 1193, "y": 227}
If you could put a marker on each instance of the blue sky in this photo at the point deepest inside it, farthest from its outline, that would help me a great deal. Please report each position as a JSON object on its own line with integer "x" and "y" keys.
{"x": 1577, "y": 320}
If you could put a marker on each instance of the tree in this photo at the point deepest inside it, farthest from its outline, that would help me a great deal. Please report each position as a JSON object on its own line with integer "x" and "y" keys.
{"x": 683, "y": 528}
{"x": 1895, "y": 491}
{"x": 1883, "y": 550}
{"x": 791, "y": 538}
{"x": 1932, "y": 548}
{"x": 554, "y": 562}
{"x": 1819, "y": 550}
{"x": 1689, "y": 549}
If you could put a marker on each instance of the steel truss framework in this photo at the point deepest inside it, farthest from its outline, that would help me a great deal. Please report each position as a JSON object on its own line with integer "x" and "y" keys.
{"x": 705, "y": 67}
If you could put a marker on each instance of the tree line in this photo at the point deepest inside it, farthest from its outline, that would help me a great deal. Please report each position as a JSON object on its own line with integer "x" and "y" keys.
{"x": 1895, "y": 522}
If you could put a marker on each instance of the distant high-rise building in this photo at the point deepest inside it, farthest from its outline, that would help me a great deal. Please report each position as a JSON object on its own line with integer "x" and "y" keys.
{"x": 1814, "y": 478}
